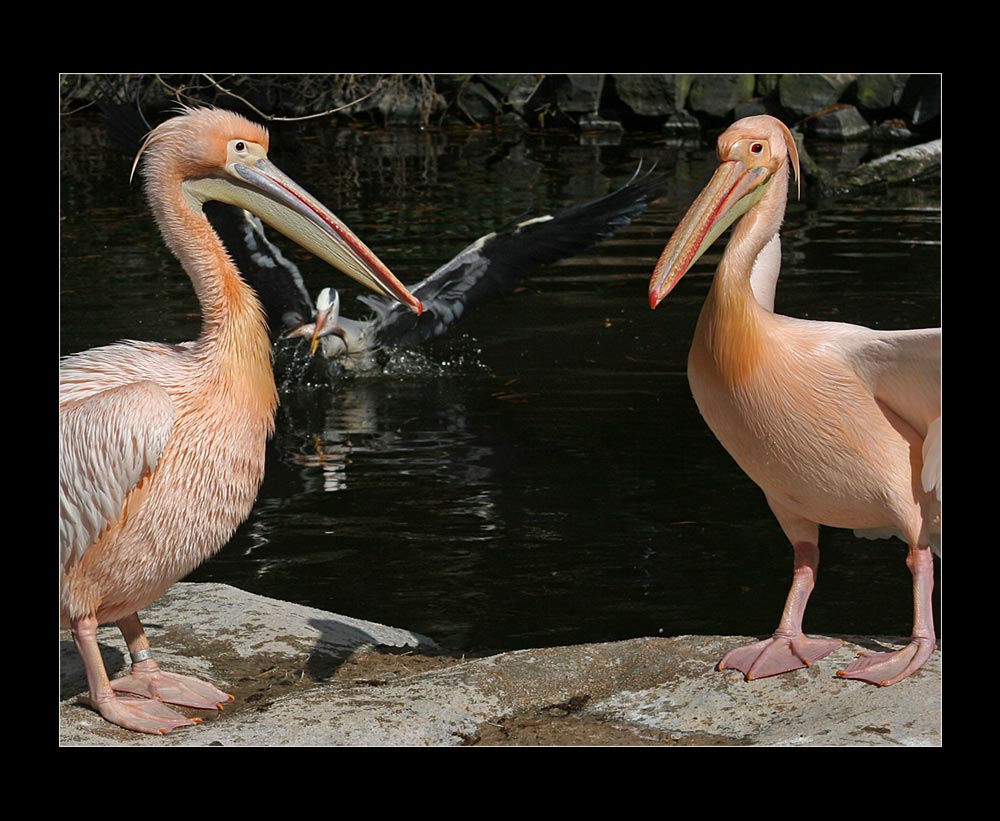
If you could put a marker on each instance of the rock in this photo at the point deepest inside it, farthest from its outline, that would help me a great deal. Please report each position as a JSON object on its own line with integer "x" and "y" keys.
{"x": 539, "y": 99}
{"x": 898, "y": 166}
{"x": 921, "y": 101}
{"x": 750, "y": 108}
{"x": 477, "y": 102}
{"x": 844, "y": 123}
{"x": 876, "y": 91}
{"x": 890, "y": 131}
{"x": 804, "y": 94}
{"x": 305, "y": 677}
{"x": 596, "y": 130}
{"x": 511, "y": 121}
{"x": 594, "y": 122}
{"x": 716, "y": 95}
{"x": 516, "y": 90}
{"x": 767, "y": 84}
{"x": 580, "y": 93}
{"x": 802, "y": 709}
{"x": 237, "y": 627}
{"x": 653, "y": 95}
{"x": 682, "y": 124}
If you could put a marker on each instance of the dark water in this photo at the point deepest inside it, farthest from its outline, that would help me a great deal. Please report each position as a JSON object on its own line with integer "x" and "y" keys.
{"x": 541, "y": 476}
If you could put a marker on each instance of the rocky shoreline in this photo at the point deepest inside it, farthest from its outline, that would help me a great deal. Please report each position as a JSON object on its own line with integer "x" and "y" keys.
{"x": 305, "y": 677}
{"x": 868, "y": 116}
{"x": 890, "y": 107}
{"x": 874, "y": 114}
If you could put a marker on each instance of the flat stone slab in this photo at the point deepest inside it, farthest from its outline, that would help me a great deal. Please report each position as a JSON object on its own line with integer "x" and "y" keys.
{"x": 306, "y": 677}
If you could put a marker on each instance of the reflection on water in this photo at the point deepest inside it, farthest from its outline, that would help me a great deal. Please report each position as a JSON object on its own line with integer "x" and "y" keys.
{"x": 540, "y": 476}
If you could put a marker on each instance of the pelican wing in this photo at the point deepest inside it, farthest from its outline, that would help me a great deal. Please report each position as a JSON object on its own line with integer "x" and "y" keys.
{"x": 108, "y": 443}
{"x": 904, "y": 371}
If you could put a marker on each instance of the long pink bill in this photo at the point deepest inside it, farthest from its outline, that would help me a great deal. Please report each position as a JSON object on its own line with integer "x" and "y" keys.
{"x": 732, "y": 191}
{"x": 287, "y": 207}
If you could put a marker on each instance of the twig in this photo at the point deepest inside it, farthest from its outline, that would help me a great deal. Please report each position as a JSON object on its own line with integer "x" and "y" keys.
{"x": 272, "y": 118}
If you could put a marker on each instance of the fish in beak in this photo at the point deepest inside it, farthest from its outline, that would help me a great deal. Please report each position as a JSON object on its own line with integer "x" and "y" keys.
{"x": 339, "y": 335}
{"x": 326, "y": 321}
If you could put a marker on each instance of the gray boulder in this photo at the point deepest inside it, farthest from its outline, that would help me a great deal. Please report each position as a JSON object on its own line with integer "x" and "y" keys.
{"x": 580, "y": 93}
{"x": 877, "y": 91}
{"x": 843, "y": 123}
{"x": 717, "y": 95}
{"x": 805, "y": 94}
{"x": 653, "y": 95}
{"x": 306, "y": 677}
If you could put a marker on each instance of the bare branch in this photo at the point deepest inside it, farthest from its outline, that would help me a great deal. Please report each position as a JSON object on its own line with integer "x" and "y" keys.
{"x": 272, "y": 118}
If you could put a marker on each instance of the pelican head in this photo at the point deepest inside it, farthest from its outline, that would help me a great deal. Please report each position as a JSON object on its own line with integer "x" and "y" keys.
{"x": 752, "y": 152}
{"x": 222, "y": 156}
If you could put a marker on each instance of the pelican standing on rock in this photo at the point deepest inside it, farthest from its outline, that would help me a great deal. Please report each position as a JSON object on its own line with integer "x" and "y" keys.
{"x": 839, "y": 425}
{"x": 162, "y": 446}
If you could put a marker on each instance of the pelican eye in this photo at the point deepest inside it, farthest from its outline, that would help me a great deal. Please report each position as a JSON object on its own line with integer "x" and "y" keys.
{"x": 756, "y": 148}
{"x": 241, "y": 146}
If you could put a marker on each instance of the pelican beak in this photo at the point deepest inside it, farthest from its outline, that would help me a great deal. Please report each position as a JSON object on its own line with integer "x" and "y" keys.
{"x": 253, "y": 182}
{"x": 733, "y": 190}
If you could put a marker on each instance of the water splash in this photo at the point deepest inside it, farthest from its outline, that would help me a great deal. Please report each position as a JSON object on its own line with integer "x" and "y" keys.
{"x": 296, "y": 370}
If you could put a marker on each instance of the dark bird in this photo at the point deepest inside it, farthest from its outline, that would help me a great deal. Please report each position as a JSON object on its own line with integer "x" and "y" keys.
{"x": 489, "y": 268}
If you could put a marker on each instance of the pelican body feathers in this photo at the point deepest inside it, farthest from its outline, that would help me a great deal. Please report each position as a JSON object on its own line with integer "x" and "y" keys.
{"x": 161, "y": 445}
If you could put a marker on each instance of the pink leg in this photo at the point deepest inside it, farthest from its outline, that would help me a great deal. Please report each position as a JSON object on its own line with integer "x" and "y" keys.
{"x": 788, "y": 649}
{"x": 135, "y": 714}
{"x": 149, "y": 681}
{"x": 888, "y": 668}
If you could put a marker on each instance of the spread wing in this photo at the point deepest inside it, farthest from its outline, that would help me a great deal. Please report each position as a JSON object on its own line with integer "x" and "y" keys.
{"x": 495, "y": 264}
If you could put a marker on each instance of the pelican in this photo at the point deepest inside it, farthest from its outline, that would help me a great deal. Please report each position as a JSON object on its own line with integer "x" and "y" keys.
{"x": 838, "y": 424}
{"x": 488, "y": 268}
{"x": 162, "y": 446}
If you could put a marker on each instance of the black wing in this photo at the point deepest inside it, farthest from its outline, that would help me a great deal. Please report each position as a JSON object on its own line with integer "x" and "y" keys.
{"x": 493, "y": 265}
